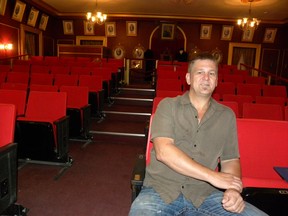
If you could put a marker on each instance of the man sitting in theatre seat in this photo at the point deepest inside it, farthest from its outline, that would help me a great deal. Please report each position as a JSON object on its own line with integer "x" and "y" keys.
{"x": 191, "y": 135}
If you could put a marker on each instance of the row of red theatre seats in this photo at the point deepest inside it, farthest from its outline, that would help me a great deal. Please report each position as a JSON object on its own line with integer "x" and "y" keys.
{"x": 243, "y": 106}
{"x": 61, "y": 69}
{"x": 55, "y": 60}
{"x": 48, "y": 81}
{"x": 227, "y": 88}
{"x": 236, "y": 78}
{"x": 75, "y": 97}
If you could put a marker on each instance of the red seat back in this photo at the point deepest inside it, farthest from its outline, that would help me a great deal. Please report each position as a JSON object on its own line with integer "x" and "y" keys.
{"x": 263, "y": 111}
{"x": 263, "y": 144}
{"x": 16, "y": 97}
{"x": 77, "y": 96}
{"x": 46, "y": 105}
{"x": 7, "y": 123}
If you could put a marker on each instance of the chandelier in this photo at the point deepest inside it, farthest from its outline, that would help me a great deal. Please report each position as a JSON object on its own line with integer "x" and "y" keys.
{"x": 98, "y": 17}
{"x": 248, "y": 22}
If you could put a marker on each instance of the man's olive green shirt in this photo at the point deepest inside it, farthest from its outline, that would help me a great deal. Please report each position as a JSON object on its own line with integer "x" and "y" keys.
{"x": 207, "y": 142}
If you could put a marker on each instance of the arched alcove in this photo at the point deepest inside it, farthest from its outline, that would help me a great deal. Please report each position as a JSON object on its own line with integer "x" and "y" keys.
{"x": 167, "y": 47}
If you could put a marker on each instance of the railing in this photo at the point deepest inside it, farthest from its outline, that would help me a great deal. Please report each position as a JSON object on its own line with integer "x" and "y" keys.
{"x": 9, "y": 60}
{"x": 271, "y": 78}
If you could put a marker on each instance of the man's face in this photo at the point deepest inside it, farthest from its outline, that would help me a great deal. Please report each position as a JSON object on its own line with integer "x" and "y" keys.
{"x": 203, "y": 77}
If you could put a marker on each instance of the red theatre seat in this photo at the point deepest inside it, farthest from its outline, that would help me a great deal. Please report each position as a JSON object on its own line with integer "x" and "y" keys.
{"x": 42, "y": 134}
{"x": 78, "y": 110}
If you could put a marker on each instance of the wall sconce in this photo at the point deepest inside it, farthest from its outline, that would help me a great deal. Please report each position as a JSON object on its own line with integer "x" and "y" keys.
{"x": 6, "y": 47}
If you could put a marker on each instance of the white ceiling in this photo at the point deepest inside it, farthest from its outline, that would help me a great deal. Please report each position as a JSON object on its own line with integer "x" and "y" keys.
{"x": 273, "y": 11}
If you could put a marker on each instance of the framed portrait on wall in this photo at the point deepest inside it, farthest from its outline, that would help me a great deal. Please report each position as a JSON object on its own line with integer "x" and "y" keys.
{"x": 18, "y": 11}
{"x": 88, "y": 28}
{"x": 269, "y": 35}
{"x": 119, "y": 52}
{"x": 110, "y": 29}
{"x": 167, "y": 31}
{"x": 3, "y": 4}
{"x": 247, "y": 35}
{"x": 33, "y": 15}
{"x": 131, "y": 28}
{"x": 205, "y": 31}
{"x": 68, "y": 27}
{"x": 43, "y": 22}
{"x": 227, "y": 32}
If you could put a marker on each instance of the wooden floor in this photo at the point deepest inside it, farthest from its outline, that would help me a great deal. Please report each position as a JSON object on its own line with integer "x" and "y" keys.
{"x": 98, "y": 182}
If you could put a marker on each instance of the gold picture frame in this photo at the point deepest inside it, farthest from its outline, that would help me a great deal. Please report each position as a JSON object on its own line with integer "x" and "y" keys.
{"x": 269, "y": 35}
{"x": 32, "y": 18}
{"x": 136, "y": 64}
{"x": 88, "y": 28}
{"x": 18, "y": 11}
{"x": 3, "y": 4}
{"x": 68, "y": 27}
{"x": 119, "y": 52}
{"x": 131, "y": 28}
{"x": 43, "y": 22}
{"x": 247, "y": 35}
{"x": 110, "y": 29}
{"x": 227, "y": 32}
{"x": 206, "y": 30}
{"x": 167, "y": 31}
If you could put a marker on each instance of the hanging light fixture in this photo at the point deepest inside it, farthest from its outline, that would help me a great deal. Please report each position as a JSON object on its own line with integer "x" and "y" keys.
{"x": 248, "y": 22}
{"x": 98, "y": 17}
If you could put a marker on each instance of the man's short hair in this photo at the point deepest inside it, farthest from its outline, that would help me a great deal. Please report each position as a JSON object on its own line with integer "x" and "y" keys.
{"x": 203, "y": 56}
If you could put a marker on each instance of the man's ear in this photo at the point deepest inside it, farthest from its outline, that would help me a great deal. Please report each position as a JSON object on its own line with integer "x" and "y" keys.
{"x": 188, "y": 78}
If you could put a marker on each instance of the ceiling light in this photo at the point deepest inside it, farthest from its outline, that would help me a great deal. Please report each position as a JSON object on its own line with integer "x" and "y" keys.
{"x": 98, "y": 17}
{"x": 248, "y": 22}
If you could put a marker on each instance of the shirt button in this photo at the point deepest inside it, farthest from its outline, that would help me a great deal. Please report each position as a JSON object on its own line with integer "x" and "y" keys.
{"x": 182, "y": 187}
{"x": 195, "y": 145}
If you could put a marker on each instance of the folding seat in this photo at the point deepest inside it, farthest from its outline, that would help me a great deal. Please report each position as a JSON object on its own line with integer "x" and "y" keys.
{"x": 59, "y": 69}
{"x": 235, "y": 78}
{"x": 40, "y": 87}
{"x": 36, "y": 59}
{"x": 41, "y": 79}
{"x": 225, "y": 88}
{"x": 263, "y": 146}
{"x": 66, "y": 79}
{"x": 38, "y": 68}
{"x": 23, "y": 68}
{"x": 7, "y": 126}
{"x": 169, "y": 84}
{"x": 233, "y": 106}
{"x": 240, "y": 99}
{"x": 16, "y": 97}
{"x": 80, "y": 70}
{"x": 255, "y": 80}
{"x": 223, "y": 71}
{"x": 8, "y": 159}
{"x": 216, "y": 96}
{"x": 167, "y": 93}
{"x": 78, "y": 110}
{"x": 96, "y": 93}
{"x": 271, "y": 100}
{"x": 15, "y": 86}
{"x": 5, "y": 68}
{"x": 42, "y": 134}
{"x": 106, "y": 74}
{"x": 244, "y": 73}
{"x": 249, "y": 89}
{"x": 286, "y": 113}
{"x": 3, "y": 76}
{"x": 274, "y": 91}
{"x": 17, "y": 77}
{"x": 51, "y": 60}
{"x": 161, "y": 74}
{"x": 263, "y": 111}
